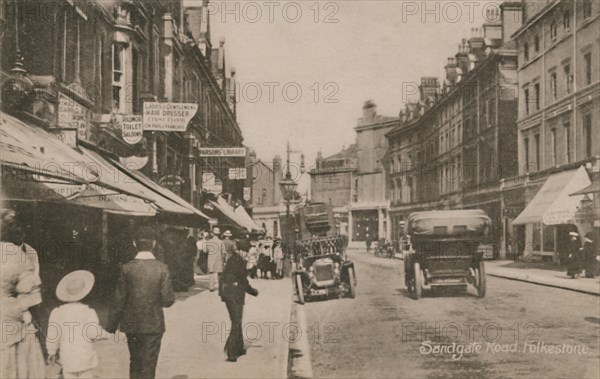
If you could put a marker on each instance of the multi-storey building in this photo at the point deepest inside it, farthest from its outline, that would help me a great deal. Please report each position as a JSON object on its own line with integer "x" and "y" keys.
{"x": 558, "y": 119}
{"x": 453, "y": 148}
{"x": 368, "y": 210}
{"x": 331, "y": 183}
{"x": 93, "y": 63}
{"x": 267, "y": 202}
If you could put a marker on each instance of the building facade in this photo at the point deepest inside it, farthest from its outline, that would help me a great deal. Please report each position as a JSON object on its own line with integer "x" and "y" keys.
{"x": 558, "y": 112}
{"x": 368, "y": 209}
{"x": 454, "y": 147}
{"x": 93, "y": 66}
{"x": 267, "y": 202}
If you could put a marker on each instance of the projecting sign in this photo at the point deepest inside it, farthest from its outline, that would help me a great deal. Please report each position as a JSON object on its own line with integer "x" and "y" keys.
{"x": 247, "y": 193}
{"x": 71, "y": 115}
{"x": 237, "y": 173}
{"x": 168, "y": 117}
{"x": 222, "y": 151}
{"x": 132, "y": 129}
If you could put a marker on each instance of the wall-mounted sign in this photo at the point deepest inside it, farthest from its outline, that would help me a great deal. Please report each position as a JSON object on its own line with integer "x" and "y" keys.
{"x": 222, "y": 151}
{"x": 247, "y": 193}
{"x": 237, "y": 173}
{"x": 131, "y": 128}
{"x": 168, "y": 117}
{"x": 171, "y": 180}
{"x": 71, "y": 114}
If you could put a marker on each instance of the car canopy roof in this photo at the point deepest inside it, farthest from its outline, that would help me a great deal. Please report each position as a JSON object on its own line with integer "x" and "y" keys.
{"x": 449, "y": 223}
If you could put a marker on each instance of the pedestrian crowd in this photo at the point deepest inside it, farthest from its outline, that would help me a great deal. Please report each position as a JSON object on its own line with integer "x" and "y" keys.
{"x": 144, "y": 287}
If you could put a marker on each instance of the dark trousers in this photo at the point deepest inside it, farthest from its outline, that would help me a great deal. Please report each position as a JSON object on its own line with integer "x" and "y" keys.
{"x": 143, "y": 354}
{"x": 235, "y": 342}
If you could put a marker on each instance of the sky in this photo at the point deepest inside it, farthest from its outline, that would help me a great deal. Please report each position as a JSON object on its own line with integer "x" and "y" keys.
{"x": 305, "y": 68}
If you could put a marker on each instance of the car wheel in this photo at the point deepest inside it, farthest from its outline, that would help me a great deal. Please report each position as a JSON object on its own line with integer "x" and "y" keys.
{"x": 300, "y": 289}
{"x": 481, "y": 279}
{"x": 418, "y": 281}
{"x": 351, "y": 280}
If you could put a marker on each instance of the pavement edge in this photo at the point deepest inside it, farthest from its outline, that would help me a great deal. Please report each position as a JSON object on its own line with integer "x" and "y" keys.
{"x": 300, "y": 364}
{"x": 541, "y": 282}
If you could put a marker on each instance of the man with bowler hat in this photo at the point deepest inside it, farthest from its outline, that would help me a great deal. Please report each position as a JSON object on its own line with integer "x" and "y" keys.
{"x": 143, "y": 289}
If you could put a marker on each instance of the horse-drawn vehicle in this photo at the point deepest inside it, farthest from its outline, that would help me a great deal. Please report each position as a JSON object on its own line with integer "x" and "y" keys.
{"x": 321, "y": 266}
{"x": 445, "y": 250}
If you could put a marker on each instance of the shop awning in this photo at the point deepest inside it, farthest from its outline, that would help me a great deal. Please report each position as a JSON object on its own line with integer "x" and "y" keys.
{"x": 123, "y": 176}
{"x": 226, "y": 215}
{"x": 592, "y": 188}
{"x": 250, "y": 224}
{"x": 552, "y": 205}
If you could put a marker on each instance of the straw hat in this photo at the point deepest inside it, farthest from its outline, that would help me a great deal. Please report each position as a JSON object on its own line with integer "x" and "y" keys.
{"x": 227, "y": 234}
{"x": 216, "y": 230}
{"x": 75, "y": 286}
{"x": 574, "y": 234}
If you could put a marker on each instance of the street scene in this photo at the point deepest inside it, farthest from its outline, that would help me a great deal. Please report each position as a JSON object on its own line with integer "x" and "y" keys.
{"x": 299, "y": 189}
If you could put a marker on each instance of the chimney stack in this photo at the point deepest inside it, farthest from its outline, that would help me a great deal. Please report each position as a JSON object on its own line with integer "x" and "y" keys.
{"x": 369, "y": 112}
{"x": 492, "y": 28}
{"x": 451, "y": 71}
{"x": 428, "y": 88}
{"x": 511, "y": 15}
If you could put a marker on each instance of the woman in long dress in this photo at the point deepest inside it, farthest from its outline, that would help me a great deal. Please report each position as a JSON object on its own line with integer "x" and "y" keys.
{"x": 19, "y": 290}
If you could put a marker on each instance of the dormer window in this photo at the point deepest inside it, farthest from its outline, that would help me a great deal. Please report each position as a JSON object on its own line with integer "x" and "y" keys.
{"x": 553, "y": 30}
{"x": 567, "y": 20}
{"x": 526, "y": 51}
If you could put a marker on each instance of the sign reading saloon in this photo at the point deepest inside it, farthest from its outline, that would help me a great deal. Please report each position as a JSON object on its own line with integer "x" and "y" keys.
{"x": 222, "y": 151}
{"x": 132, "y": 129}
{"x": 168, "y": 117}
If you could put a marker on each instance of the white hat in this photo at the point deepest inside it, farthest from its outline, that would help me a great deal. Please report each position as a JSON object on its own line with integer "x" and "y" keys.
{"x": 574, "y": 234}
{"x": 216, "y": 230}
{"x": 75, "y": 286}
{"x": 227, "y": 234}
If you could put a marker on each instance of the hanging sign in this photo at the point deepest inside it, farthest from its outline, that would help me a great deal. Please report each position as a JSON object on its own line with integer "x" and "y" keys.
{"x": 168, "y": 117}
{"x": 247, "y": 193}
{"x": 132, "y": 128}
{"x": 237, "y": 173}
{"x": 222, "y": 151}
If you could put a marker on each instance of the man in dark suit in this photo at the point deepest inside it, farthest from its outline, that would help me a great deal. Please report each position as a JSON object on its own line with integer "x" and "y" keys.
{"x": 143, "y": 289}
{"x": 234, "y": 287}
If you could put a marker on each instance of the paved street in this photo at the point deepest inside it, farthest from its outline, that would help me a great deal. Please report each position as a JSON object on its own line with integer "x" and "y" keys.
{"x": 379, "y": 334}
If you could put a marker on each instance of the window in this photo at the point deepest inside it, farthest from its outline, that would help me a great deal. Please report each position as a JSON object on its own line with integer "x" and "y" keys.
{"x": 554, "y": 150}
{"x": 71, "y": 46}
{"x": 567, "y": 20}
{"x": 587, "y": 58}
{"x": 526, "y": 100}
{"x": 526, "y": 51}
{"x": 536, "y": 140}
{"x": 553, "y": 86}
{"x": 118, "y": 77}
{"x": 536, "y": 88}
{"x": 568, "y": 78}
{"x": 536, "y": 43}
{"x": 553, "y": 30}
{"x": 567, "y": 127}
{"x": 587, "y": 134}
{"x": 587, "y": 9}
{"x": 526, "y": 147}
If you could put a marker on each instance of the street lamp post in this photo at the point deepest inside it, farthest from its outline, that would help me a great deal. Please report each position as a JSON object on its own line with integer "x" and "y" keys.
{"x": 288, "y": 189}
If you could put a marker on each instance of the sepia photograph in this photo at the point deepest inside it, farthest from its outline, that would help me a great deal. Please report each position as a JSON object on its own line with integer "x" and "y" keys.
{"x": 300, "y": 189}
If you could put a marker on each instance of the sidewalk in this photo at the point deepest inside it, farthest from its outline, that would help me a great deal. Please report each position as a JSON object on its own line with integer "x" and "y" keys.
{"x": 548, "y": 277}
{"x": 197, "y": 326}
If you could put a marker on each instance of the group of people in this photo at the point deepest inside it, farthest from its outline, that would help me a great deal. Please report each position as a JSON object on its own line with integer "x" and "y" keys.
{"x": 582, "y": 257}
{"x": 262, "y": 259}
{"x": 144, "y": 287}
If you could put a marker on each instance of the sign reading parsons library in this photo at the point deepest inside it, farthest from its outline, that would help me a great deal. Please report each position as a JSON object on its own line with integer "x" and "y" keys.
{"x": 168, "y": 117}
{"x": 222, "y": 151}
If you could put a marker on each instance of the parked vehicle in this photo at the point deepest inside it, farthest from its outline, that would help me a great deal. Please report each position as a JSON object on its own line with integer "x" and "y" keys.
{"x": 445, "y": 250}
{"x": 321, "y": 266}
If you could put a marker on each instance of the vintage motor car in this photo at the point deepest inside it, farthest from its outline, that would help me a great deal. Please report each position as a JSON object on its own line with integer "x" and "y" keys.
{"x": 445, "y": 250}
{"x": 322, "y": 269}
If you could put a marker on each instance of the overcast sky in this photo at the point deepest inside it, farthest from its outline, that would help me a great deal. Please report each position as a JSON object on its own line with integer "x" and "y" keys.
{"x": 338, "y": 54}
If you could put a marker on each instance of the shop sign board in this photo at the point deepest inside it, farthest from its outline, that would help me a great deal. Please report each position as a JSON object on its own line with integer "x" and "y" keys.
{"x": 71, "y": 114}
{"x": 131, "y": 128}
{"x": 168, "y": 117}
{"x": 222, "y": 151}
{"x": 237, "y": 173}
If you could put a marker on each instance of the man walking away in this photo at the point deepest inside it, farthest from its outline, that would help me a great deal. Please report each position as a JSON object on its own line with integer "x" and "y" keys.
{"x": 235, "y": 285}
{"x": 591, "y": 256}
{"x": 143, "y": 289}
{"x": 227, "y": 245}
